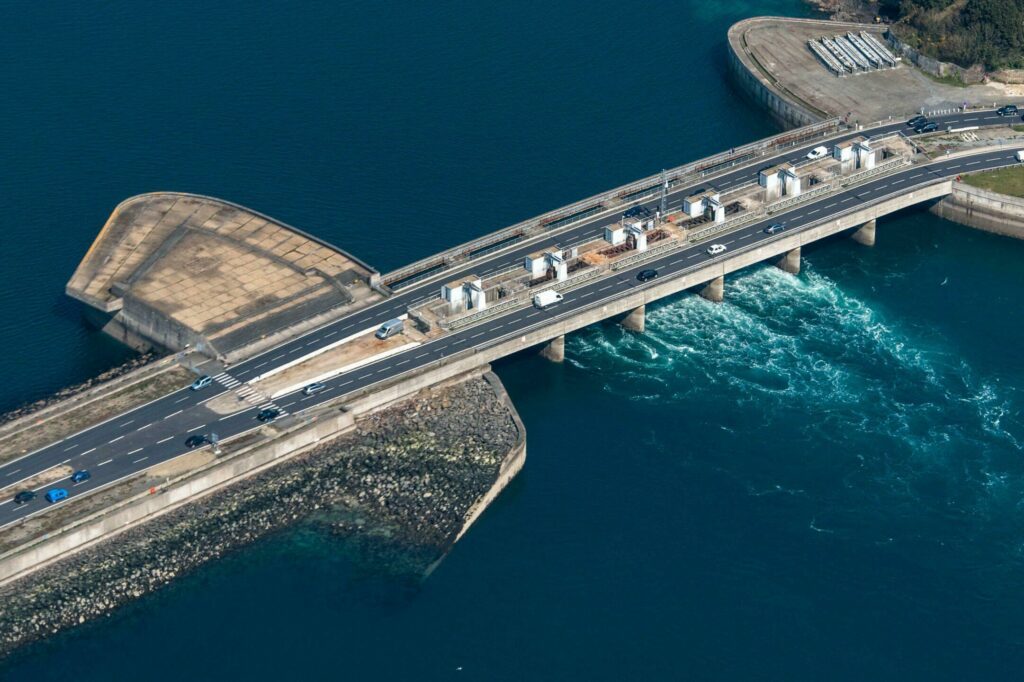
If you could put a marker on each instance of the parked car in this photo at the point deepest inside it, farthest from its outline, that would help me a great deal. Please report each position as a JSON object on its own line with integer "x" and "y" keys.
{"x": 80, "y": 476}
{"x": 56, "y": 495}
{"x": 24, "y": 496}
{"x": 1008, "y": 110}
{"x": 927, "y": 127}
{"x": 818, "y": 153}
{"x": 195, "y": 440}
{"x": 314, "y": 388}
{"x": 268, "y": 415}
{"x": 646, "y": 275}
{"x": 774, "y": 228}
{"x": 916, "y": 121}
{"x": 201, "y": 382}
{"x": 716, "y": 249}
{"x": 390, "y": 328}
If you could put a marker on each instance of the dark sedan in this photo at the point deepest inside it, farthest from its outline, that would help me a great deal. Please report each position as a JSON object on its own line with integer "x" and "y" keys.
{"x": 646, "y": 275}
{"x": 196, "y": 440}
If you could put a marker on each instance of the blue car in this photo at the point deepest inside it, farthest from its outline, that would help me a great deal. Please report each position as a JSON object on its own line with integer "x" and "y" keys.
{"x": 774, "y": 228}
{"x": 80, "y": 476}
{"x": 56, "y": 495}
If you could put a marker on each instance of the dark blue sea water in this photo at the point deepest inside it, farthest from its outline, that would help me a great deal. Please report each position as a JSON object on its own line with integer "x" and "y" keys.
{"x": 821, "y": 478}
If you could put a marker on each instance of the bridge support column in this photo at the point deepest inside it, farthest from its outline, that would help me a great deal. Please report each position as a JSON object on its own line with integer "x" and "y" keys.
{"x": 866, "y": 234}
{"x": 554, "y": 350}
{"x": 790, "y": 262}
{"x": 635, "y": 320}
{"x": 714, "y": 290}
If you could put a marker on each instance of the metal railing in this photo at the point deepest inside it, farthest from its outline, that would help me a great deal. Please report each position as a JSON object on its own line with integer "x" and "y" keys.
{"x": 649, "y": 185}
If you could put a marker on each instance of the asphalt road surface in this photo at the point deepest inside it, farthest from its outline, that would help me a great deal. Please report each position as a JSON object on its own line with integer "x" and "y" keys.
{"x": 156, "y": 432}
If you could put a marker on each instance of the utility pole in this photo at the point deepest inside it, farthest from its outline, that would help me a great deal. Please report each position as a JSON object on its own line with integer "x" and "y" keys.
{"x": 664, "y": 195}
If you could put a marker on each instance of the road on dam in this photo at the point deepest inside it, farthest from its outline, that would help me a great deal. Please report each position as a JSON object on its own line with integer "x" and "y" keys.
{"x": 156, "y": 432}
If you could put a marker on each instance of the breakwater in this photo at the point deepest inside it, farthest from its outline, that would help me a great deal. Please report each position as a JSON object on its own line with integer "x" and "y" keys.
{"x": 408, "y": 478}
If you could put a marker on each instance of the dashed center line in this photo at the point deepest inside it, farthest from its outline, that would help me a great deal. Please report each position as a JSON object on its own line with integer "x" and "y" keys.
{"x": 13, "y": 472}
{"x": 116, "y": 439}
{"x": 87, "y": 452}
{"x": 135, "y": 450}
{"x": 181, "y": 400}
{"x": 130, "y": 421}
{"x": 165, "y": 440}
{"x": 105, "y": 462}
{"x": 140, "y": 459}
{"x": 260, "y": 365}
{"x": 195, "y": 428}
{"x": 278, "y": 357}
{"x": 174, "y": 414}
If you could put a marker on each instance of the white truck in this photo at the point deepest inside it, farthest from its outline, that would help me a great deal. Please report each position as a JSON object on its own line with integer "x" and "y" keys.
{"x": 1020, "y": 155}
{"x": 546, "y": 298}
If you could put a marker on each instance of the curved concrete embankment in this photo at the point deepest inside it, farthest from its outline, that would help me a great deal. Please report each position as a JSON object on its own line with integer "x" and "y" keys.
{"x": 745, "y": 63}
{"x": 983, "y": 209}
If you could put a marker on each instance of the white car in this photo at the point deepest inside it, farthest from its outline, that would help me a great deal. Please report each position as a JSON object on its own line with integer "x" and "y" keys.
{"x": 817, "y": 153}
{"x": 716, "y": 249}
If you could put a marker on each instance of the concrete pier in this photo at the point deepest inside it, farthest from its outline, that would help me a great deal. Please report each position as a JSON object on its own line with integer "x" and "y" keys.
{"x": 554, "y": 350}
{"x": 866, "y": 234}
{"x": 790, "y": 262}
{"x": 635, "y": 320}
{"x": 714, "y": 290}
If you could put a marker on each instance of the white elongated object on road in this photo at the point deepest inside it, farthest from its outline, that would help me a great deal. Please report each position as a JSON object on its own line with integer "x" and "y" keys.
{"x": 546, "y": 298}
{"x": 1020, "y": 155}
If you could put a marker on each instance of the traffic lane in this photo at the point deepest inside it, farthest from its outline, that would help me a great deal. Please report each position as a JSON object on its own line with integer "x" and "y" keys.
{"x": 374, "y": 316}
{"x": 110, "y": 466}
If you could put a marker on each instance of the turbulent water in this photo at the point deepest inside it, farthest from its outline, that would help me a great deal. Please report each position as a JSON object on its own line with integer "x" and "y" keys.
{"x": 821, "y": 478}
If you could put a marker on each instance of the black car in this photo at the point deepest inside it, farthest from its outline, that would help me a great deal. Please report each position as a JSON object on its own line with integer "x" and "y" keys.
{"x": 1008, "y": 110}
{"x": 196, "y": 440}
{"x": 25, "y": 496}
{"x": 268, "y": 415}
{"x": 646, "y": 275}
{"x": 916, "y": 121}
{"x": 929, "y": 127}
{"x": 774, "y": 228}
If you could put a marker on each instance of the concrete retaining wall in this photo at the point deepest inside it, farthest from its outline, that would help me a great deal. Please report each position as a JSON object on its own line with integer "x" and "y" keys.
{"x": 975, "y": 74}
{"x": 983, "y": 209}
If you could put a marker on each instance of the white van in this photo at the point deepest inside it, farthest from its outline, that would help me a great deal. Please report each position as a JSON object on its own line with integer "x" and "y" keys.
{"x": 390, "y": 328}
{"x": 1020, "y": 155}
{"x": 546, "y": 298}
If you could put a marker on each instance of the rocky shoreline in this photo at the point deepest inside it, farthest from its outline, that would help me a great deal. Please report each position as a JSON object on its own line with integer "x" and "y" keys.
{"x": 70, "y": 391}
{"x": 401, "y": 484}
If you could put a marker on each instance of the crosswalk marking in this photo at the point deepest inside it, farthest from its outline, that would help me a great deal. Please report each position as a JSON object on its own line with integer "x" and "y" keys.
{"x": 248, "y": 393}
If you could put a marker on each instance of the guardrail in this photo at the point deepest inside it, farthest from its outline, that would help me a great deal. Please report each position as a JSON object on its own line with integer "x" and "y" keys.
{"x": 644, "y": 255}
{"x": 738, "y": 221}
{"x": 649, "y": 185}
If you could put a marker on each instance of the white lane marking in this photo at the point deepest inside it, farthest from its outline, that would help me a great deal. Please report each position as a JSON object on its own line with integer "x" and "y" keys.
{"x": 831, "y": 205}
{"x": 106, "y": 462}
{"x": 86, "y": 452}
{"x": 881, "y": 187}
{"x": 847, "y": 199}
{"x": 345, "y": 384}
{"x": 140, "y": 459}
{"x": 974, "y": 163}
{"x": 130, "y": 421}
{"x": 71, "y": 447}
{"x": 135, "y": 450}
{"x": 165, "y": 440}
{"x": 606, "y": 288}
{"x": 116, "y": 439}
{"x": 313, "y": 342}
{"x": 472, "y": 337}
{"x": 174, "y": 414}
{"x": 421, "y": 355}
{"x": 277, "y": 358}
{"x": 678, "y": 260}
{"x": 296, "y": 350}
{"x": 746, "y": 236}
{"x": 534, "y": 314}
{"x": 365, "y": 376}
{"x": 327, "y": 336}
{"x": 195, "y": 428}
{"x": 260, "y": 365}
{"x": 952, "y": 167}
{"x": 379, "y": 371}
{"x": 896, "y": 182}
{"x": 181, "y": 400}
{"x": 693, "y": 256}
{"x": 399, "y": 364}
{"x": 144, "y": 427}
{"x": 13, "y": 472}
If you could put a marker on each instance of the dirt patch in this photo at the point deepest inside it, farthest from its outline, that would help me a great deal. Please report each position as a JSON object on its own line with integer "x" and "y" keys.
{"x": 64, "y": 424}
{"x": 49, "y": 476}
{"x": 183, "y": 464}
